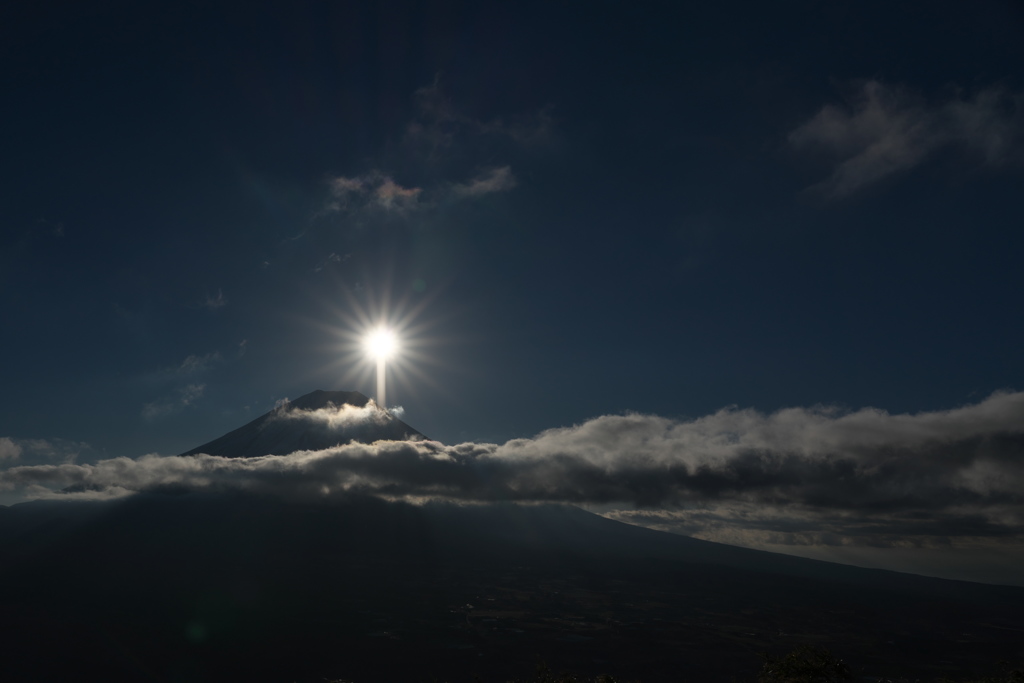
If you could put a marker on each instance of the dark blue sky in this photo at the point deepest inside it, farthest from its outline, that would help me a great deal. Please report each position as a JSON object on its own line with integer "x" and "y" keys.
{"x": 591, "y": 207}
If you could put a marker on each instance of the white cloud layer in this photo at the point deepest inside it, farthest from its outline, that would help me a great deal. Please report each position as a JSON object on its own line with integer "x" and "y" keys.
{"x": 888, "y": 129}
{"x": 814, "y": 476}
{"x": 334, "y": 417}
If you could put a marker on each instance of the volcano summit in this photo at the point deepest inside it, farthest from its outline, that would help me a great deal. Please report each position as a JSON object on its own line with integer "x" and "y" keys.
{"x": 318, "y": 420}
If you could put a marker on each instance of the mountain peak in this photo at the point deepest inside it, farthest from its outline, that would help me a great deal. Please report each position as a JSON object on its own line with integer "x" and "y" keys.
{"x": 318, "y": 399}
{"x": 317, "y": 420}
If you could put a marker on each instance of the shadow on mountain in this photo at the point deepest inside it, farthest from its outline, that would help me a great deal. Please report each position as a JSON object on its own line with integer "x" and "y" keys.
{"x": 196, "y": 587}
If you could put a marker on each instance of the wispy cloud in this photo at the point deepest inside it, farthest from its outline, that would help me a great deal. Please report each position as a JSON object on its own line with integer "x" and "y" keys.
{"x": 889, "y": 129}
{"x": 195, "y": 364}
{"x": 215, "y": 302}
{"x": 179, "y": 386}
{"x": 55, "y": 228}
{"x": 331, "y": 258}
{"x": 377, "y": 191}
{"x": 492, "y": 180}
{"x": 413, "y": 187}
{"x": 440, "y": 133}
{"x": 800, "y": 475}
{"x": 440, "y": 124}
{"x": 36, "y": 451}
{"x": 168, "y": 405}
{"x": 374, "y": 189}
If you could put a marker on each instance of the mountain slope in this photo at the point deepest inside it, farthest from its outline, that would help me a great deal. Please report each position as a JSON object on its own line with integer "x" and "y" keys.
{"x": 233, "y": 587}
{"x": 317, "y": 420}
{"x": 217, "y": 585}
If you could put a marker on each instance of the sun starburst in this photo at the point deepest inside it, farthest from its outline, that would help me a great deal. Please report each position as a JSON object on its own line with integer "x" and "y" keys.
{"x": 374, "y": 333}
{"x": 381, "y": 343}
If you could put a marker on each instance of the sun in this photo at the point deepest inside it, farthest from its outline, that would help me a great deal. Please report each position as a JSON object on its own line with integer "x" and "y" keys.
{"x": 370, "y": 331}
{"x": 381, "y": 343}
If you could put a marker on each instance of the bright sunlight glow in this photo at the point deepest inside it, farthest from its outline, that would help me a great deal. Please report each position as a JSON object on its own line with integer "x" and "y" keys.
{"x": 373, "y": 332}
{"x": 381, "y": 343}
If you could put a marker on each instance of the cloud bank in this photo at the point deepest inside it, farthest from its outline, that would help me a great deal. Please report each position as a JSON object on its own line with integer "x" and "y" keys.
{"x": 20, "y": 452}
{"x": 800, "y": 475}
{"x": 889, "y": 129}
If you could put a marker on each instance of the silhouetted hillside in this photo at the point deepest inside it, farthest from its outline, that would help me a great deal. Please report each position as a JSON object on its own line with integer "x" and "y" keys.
{"x": 239, "y": 587}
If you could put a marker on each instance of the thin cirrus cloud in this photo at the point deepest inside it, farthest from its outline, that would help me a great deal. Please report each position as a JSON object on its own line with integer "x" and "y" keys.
{"x": 21, "y": 452}
{"x": 439, "y": 133}
{"x": 168, "y": 405}
{"x": 888, "y": 129}
{"x": 810, "y": 476}
{"x": 215, "y": 302}
{"x": 492, "y": 180}
{"x": 181, "y": 385}
{"x": 377, "y": 190}
{"x": 374, "y": 189}
{"x": 195, "y": 364}
{"x": 440, "y": 125}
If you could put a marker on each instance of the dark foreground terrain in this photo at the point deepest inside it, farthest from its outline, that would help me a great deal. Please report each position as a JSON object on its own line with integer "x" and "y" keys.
{"x": 230, "y": 587}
